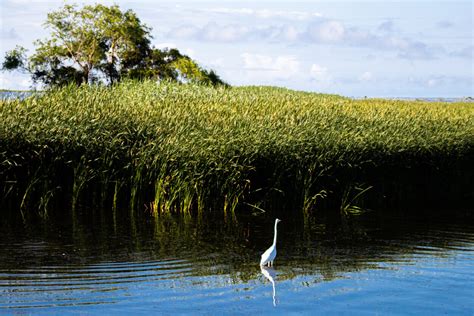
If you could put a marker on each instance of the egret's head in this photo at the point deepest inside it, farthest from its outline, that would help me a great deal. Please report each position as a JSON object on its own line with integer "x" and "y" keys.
{"x": 278, "y": 220}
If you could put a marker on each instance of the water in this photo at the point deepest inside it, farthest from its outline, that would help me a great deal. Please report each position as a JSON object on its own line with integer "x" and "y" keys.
{"x": 174, "y": 265}
{"x": 9, "y": 95}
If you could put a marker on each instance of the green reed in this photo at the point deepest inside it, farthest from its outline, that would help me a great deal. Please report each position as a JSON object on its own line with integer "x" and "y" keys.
{"x": 182, "y": 148}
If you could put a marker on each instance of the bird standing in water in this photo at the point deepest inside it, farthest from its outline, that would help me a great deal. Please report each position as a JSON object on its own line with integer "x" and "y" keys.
{"x": 269, "y": 255}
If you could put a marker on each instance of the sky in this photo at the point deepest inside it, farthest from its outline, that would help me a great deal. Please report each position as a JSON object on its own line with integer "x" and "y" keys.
{"x": 419, "y": 48}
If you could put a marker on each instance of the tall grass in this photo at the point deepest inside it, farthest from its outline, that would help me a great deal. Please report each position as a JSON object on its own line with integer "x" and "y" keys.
{"x": 184, "y": 148}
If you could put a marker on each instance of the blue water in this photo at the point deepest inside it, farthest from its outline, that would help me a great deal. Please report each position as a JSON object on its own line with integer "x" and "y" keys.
{"x": 8, "y": 95}
{"x": 176, "y": 266}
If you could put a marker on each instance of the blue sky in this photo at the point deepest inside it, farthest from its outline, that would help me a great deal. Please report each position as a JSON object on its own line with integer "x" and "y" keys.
{"x": 354, "y": 48}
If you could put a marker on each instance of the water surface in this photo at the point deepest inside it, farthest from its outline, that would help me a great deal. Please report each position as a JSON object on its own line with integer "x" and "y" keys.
{"x": 176, "y": 265}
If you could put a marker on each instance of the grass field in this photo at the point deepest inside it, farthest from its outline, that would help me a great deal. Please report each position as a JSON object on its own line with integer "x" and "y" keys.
{"x": 184, "y": 148}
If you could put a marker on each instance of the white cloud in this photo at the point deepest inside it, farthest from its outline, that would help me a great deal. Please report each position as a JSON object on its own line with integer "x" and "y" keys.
{"x": 211, "y": 32}
{"x": 224, "y": 33}
{"x": 233, "y": 11}
{"x": 3, "y": 81}
{"x": 444, "y": 24}
{"x": 409, "y": 49}
{"x": 322, "y": 31}
{"x": 9, "y": 34}
{"x": 169, "y": 45}
{"x": 218, "y": 63}
{"x": 386, "y": 26}
{"x": 327, "y": 31}
{"x": 331, "y": 31}
{"x": 280, "y": 67}
{"x": 190, "y": 52}
{"x": 336, "y": 33}
{"x": 166, "y": 45}
{"x": 185, "y": 31}
{"x": 438, "y": 83}
{"x": 290, "y": 33}
{"x": 50, "y": 3}
{"x": 25, "y": 83}
{"x": 466, "y": 52}
{"x": 268, "y": 14}
{"x": 432, "y": 82}
{"x": 319, "y": 73}
{"x": 366, "y": 76}
{"x": 14, "y": 81}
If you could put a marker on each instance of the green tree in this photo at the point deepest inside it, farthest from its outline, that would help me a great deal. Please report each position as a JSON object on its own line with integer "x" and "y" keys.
{"x": 16, "y": 58}
{"x": 101, "y": 43}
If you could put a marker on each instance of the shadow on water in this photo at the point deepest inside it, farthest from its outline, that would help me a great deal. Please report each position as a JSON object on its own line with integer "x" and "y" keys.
{"x": 210, "y": 263}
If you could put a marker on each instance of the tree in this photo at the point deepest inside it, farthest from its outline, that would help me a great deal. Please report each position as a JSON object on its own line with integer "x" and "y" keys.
{"x": 100, "y": 43}
{"x": 16, "y": 58}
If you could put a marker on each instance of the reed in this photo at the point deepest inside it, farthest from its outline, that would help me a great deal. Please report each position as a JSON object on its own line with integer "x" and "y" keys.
{"x": 187, "y": 148}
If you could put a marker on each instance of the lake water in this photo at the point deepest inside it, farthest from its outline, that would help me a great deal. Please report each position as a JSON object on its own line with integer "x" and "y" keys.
{"x": 188, "y": 265}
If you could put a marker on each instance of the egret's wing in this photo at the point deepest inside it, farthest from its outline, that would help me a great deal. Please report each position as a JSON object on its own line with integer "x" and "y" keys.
{"x": 266, "y": 255}
{"x": 267, "y": 252}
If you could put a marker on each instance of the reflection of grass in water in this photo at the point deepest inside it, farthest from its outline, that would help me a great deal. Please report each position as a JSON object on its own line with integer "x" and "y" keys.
{"x": 212, "y": 247}
{"x": 183, "y": 148}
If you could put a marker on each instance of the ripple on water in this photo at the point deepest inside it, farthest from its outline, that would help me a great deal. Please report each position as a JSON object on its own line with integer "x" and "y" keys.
{"x": 390, "y": 274}
{"x": 81, "y": 285}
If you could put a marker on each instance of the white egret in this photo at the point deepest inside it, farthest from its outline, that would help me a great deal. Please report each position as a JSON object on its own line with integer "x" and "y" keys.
{"x": 269, "y": 255}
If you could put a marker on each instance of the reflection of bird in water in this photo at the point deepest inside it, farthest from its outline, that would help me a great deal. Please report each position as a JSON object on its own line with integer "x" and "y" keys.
{"x": 269, "y": 273}
{"x": 269, "y": 255}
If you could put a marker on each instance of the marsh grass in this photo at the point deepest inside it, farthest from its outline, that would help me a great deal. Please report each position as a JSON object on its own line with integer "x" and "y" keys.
{"x": 186, "y": 148}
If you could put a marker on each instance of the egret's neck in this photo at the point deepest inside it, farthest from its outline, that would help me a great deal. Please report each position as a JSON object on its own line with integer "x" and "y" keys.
{"x": 275, "y": 235}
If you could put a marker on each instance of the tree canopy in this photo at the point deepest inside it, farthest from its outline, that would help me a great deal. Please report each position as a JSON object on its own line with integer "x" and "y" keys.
{"x": 97, "y": 43}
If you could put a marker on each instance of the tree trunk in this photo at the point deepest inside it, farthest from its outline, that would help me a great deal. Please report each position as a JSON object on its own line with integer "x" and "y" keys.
{"x": 85, "y": 77}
